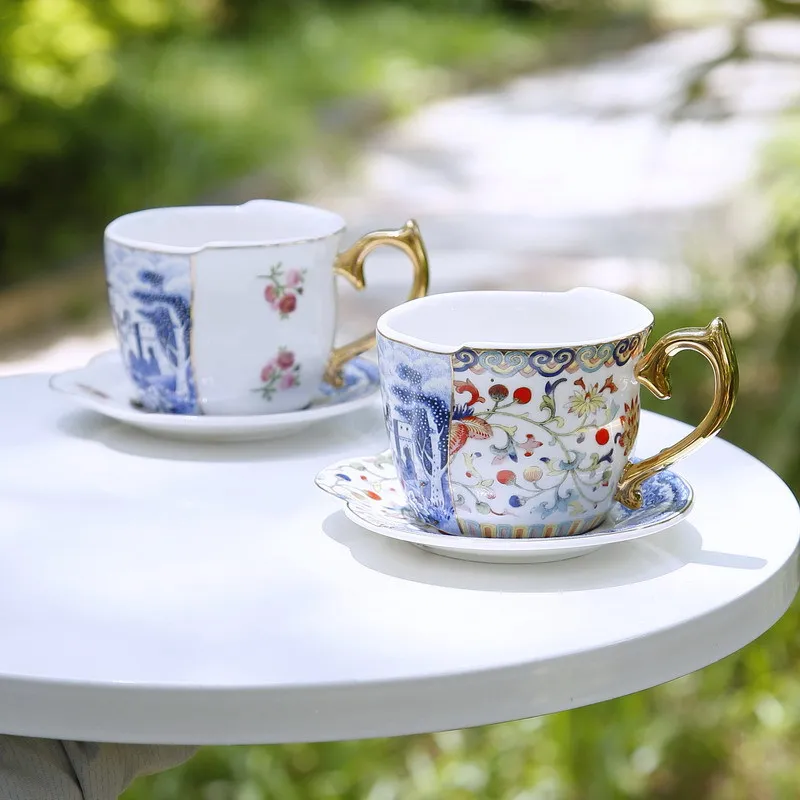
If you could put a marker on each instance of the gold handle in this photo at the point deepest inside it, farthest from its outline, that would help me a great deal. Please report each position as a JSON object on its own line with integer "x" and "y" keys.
{"x": 350, "y": 265}
{"x": 712, "y": 342}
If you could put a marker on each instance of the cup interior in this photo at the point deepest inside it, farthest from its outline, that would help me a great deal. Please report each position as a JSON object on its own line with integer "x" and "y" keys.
{"x": 445, "y": 323}
{"x": 259, "y": 223}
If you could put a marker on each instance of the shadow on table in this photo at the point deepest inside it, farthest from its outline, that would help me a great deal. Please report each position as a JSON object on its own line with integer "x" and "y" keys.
{"x": 613, "y": 565}
{"x": 319, "y": 438}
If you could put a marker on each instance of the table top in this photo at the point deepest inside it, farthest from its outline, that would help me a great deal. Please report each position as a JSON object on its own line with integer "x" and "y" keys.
{"x": 172, "y": 593}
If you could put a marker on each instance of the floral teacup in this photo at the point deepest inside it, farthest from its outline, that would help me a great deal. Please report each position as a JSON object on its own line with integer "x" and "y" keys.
{"x": 515, "y": 414}
{"x": 231, "y": 310}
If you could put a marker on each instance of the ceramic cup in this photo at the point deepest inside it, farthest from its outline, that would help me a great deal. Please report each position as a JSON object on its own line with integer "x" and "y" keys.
{"x": 231, "y": 310}
{"x": 515, "y": 414}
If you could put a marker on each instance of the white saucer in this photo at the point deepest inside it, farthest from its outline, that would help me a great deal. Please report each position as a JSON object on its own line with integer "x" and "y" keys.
{"x": 103, "y": 386}
{"x": 375, "y": 500}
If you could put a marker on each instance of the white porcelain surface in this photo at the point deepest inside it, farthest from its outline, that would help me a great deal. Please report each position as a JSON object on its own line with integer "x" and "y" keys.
{"x": 469, "y": 549}
{"x": 103, "y": 386}
{"x": 237, "y": 332}
{"x": 162, "y": 592}
{"x": 185, "y": 230}
{"x": 487, "y": 320}
{"x": 373, "y": 497}
{"x": 224, "y": 310}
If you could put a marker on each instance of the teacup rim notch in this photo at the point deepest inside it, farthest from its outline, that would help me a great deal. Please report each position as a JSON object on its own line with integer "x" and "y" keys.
{"x": 389, "y": 325}
{"x": 119, "y": 231}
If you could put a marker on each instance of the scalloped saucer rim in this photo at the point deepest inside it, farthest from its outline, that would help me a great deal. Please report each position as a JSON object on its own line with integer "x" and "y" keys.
{"x": 494, "y": 550}
{"x": 102, "y": 385}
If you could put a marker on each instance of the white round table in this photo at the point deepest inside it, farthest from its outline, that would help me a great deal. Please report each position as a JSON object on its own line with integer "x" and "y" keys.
{"x": 158, "y": 592}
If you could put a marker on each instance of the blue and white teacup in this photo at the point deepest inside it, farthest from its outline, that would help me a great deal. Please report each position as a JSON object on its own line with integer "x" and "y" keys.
{"x": 515, "y": 414}
{"x": 231, "y": 310}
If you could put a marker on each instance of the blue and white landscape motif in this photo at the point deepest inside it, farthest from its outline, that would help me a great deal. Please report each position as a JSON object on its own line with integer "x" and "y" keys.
{"x": 360, "y": 378}
{"x": 663, "y": 495}
{"x": 150, "y": 296}
{"x": 416, "y": 387}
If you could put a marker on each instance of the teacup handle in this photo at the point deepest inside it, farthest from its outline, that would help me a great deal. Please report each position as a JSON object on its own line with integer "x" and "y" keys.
{"x": 712, "y": 342}
{"x": 350, "y": 265}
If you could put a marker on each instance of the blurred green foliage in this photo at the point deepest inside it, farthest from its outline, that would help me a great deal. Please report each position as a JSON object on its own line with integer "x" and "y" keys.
{"x": 728, "y": 732}
{"x": 107, "y": 106}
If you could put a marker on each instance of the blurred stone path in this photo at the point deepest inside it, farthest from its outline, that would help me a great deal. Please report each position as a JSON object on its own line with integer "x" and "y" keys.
{"x": 613, "y": 174}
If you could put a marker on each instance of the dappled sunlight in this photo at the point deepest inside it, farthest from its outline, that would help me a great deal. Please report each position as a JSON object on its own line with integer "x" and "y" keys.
{"x": 59, "y": 51}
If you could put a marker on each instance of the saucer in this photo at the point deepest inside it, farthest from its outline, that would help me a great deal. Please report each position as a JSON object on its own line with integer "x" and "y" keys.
{"x": 375, "y": 500}
{"x": 103, "y": 386}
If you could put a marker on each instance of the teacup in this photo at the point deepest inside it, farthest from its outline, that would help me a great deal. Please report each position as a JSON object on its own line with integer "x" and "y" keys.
{"x": 231, "y": 310}
{"x": 515, "y": 414}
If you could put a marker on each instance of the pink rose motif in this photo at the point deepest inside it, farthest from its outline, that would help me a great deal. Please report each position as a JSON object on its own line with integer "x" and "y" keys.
{"x": 268, "y": 371}
{"x": 270, "y": 295}
{"x": 293, "y": 278}
{"x": 285, "y": 359}
{"x": 280, "y": 373}
{"x": 287, "y": 303}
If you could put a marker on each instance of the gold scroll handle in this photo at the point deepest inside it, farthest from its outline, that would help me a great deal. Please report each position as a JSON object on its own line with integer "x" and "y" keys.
{"x": 350, "y": 265}
{"x": 712, "y": 342}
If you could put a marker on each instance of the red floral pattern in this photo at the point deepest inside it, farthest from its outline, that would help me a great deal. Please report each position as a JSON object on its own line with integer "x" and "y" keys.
{"x": 630, "y": 426}
{"x": 281, "y": 373}
{"x": 282, "y": 291}
{"x": 548, "y": 447}
{"x": 467, "y": 428}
